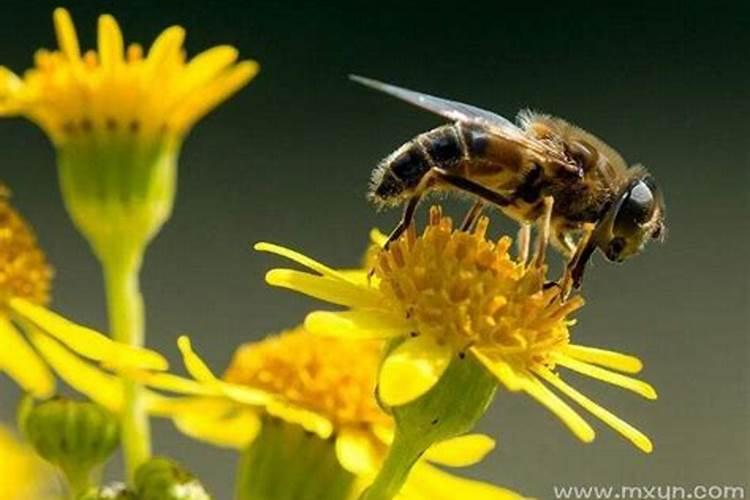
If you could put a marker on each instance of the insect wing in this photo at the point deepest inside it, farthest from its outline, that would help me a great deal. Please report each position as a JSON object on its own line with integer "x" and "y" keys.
{"x": 452, "y": 110}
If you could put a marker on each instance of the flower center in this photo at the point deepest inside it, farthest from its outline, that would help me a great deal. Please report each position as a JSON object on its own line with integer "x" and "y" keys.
{"x": 467, "y": 291}
{"x": 24, "y": 271}
{"x": 333, "y": 377}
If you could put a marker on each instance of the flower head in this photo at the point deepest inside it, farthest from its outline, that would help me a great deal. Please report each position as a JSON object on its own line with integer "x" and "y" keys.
{"x": 117, "y": 91}
{"x": 117, "y": 117}
{"x": 447, "y": 294}
{"x": 25, "y": 278}
{"x": 323, "y": 385}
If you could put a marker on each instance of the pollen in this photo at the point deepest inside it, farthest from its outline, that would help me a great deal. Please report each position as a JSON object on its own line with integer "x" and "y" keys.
{"x": 24, "y": 271}
{"x": 468, "y": 292}
{"x": 332, "y": 377}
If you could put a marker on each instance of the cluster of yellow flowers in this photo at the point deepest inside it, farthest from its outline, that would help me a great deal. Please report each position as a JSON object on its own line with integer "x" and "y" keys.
{"x": 357, "y": 402}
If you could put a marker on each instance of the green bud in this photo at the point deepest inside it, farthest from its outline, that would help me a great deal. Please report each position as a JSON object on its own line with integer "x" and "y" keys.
{"x": 164, "y": 479}
{"x": 76, "y": 436}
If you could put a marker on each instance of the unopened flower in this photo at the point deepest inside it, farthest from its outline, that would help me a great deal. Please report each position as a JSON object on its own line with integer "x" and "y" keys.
{"x": 446, "y": 297}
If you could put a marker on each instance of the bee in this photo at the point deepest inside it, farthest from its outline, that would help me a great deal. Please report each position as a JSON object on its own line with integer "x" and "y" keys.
{"x": 541, "y": 170}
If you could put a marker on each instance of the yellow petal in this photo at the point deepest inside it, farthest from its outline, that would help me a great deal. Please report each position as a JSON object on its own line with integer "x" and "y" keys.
{"x": 359, "y": 324}
{"x": 310, "y": 421}
{"x": 85, "y": 341}
{"x": 229, "y": 427}
{"x": 461, "y": 451}
{"x": 501, "y": 370}
{"x": 357, "y": 452}
{"x": 635, "y": 385}
{"x": 66, "y": 34}
{"x": 331, "y": 290}
{"x": 205, "y": 66}
{"x": 214, "y": 93}
{"x": 111, "y": 45}
{"x": 10, "y": 86}
{"x": 166, "y": 46}
{"x": 412, "y": 369}
{"x": 378, "y": 238}
{"x": 430, "y": 483}
{"x": 22, "y": 363}
{"x": 243, "y": 394}
{"x": 627, "y": 430}
{"x": 172, "y": 383}
{"x": 565, "y": 413}
{"x": 603, "y": 357}
{"x": 99, "y": 386}
{"x": 200, "y": 371}
{"x": 195, "y": 366}
{"x": 300, "y": 259}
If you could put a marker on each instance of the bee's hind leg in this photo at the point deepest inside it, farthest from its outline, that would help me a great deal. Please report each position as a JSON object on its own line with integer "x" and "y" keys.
{"x": 472, "y": 216}
{"x": 406, "y": 219}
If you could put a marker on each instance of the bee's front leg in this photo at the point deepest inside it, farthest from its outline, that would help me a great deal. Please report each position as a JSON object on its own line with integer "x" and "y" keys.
{"x": 573, "y": 274}
{"x": 543, "y": 232}
{"x": 523, "y": 243}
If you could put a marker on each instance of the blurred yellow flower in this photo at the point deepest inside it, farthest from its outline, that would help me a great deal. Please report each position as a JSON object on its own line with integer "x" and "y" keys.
{"x": 323, "y": 385}
{"x": 23, "y": 476}
{"x": 67, "y": 348}
{"x": 451, "y": 294}
{"x": 117, "y": 117}
{"x": 116, "y": 91}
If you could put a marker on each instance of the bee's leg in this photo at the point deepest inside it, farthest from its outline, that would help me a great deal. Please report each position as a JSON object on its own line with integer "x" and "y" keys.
{"x": 523, "y": 241}
{"x": 562, "y": 241}
{"x": 573, "y": 275}
{"x": 472, "y": 216}
{"x": 406, "y": 219}
{"x": 464, "y": 184}
{"x": 543, "y": 232}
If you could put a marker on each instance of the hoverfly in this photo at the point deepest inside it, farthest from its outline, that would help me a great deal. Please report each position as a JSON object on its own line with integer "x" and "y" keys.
{"x": 543, "y": 170}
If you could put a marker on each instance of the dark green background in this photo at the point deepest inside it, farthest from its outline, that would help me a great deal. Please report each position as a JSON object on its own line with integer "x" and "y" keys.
{"x": 288, "y": 160}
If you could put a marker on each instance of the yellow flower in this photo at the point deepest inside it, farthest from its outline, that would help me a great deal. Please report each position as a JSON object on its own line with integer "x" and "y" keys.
{"x": 116, "y": 92}
{"x": 449, "y": 294}
{"x": 23, "y": 476}
{"x": 67, "y": 348}
{"x": 117, "y": 117}
{"x": 324, "y": 386}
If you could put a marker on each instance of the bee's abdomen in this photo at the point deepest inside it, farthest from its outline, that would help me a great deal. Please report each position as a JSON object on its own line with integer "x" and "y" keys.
{"x": 401, "y": 172}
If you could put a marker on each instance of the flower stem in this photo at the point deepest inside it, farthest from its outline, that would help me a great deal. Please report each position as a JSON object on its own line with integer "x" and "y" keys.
{"x": 451, "y": 408}
{"x": 125, "y": 306}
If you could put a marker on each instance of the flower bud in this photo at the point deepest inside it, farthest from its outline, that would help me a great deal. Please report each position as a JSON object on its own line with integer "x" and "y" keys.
{"x": 77, "y": 436}
{"x": 164, "y": 479}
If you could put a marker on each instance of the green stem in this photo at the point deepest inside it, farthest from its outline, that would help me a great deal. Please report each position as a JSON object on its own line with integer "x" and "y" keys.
{"x": 78, "y": 480}
{"x": 451, "y": 408}
{"x": 125, "y": 306}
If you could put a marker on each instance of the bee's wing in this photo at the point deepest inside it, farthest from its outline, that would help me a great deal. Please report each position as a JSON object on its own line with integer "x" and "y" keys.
{"x": 452, "y": 110}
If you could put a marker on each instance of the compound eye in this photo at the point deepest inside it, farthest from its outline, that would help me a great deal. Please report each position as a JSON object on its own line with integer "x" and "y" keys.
{"x": 636, "y": 209}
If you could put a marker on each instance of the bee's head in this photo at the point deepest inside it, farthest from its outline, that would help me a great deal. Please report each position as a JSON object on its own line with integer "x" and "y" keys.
{"x": 636, "y": 216}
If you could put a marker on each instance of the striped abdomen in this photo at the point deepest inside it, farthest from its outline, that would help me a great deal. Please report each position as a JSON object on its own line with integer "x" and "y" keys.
{"x": 459, "y": 149}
